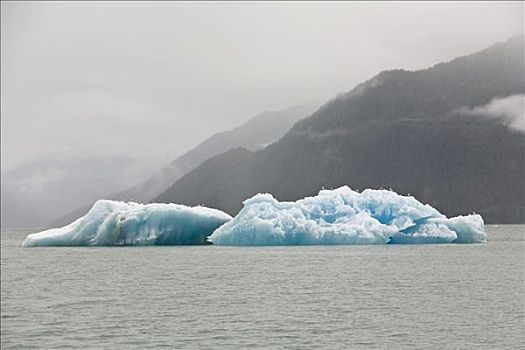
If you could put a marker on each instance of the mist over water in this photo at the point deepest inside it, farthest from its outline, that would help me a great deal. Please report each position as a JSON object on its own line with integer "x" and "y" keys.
{"x": 358, "y": 297}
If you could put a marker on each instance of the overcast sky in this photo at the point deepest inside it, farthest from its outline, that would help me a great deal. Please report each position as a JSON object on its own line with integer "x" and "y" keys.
{"x": 151, "y": 80}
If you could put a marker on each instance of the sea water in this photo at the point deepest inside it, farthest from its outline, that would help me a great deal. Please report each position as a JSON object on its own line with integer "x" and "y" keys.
{"x": 329, "y": 297}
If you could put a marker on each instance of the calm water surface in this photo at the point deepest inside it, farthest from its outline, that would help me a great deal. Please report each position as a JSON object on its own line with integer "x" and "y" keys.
{"x": 323, "y": 297}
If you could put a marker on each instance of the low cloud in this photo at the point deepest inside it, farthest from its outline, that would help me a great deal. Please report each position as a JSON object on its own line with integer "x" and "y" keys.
{"x": 510, "y": 110}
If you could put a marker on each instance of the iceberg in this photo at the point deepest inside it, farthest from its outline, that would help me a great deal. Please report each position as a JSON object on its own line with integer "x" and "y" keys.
{"x": 114, "y": 223}
{"x": 344, "y": 216}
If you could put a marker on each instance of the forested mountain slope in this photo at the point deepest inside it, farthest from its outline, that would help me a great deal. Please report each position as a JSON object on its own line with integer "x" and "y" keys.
{"x": 419, "y": 132}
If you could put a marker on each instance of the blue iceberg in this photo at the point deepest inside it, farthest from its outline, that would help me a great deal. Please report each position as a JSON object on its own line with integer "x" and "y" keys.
{"x": 113, "y": 223}
{"x": 343, "y": 216}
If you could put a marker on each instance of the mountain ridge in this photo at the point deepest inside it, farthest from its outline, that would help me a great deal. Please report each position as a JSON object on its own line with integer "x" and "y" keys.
{"x": 253, "y": 134}
{"x": 406, "y": 133}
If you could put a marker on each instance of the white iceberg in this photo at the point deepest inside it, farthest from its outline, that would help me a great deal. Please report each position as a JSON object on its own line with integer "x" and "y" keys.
{"x": 343, "y": 216}
{"x": 113, "y": 223}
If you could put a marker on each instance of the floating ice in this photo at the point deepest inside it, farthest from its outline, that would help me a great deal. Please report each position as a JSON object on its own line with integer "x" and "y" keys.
{"x": 343, "y": 216}
{"x": 112, "y": 223}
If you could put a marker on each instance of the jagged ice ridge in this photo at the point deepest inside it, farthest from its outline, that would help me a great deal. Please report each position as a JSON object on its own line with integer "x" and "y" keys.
{"x": 344, "y": 216}
{"x": 340, "y": 216}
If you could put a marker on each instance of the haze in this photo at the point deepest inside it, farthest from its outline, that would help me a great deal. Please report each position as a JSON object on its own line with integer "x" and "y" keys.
{"x": 150, "y": 80}
{"x": 112, "y": 90}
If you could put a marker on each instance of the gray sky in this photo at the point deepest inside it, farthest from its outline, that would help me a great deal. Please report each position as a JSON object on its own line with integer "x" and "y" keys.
{"x": 150, "y": 80}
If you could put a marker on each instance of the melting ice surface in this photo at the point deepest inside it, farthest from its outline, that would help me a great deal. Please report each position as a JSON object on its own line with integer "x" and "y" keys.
{"x": 343, "y": 216}
{"x": 339, "y": 216}
{"x": 111, "y": 223}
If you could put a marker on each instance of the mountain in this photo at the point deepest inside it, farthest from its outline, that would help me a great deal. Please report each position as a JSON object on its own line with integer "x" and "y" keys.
{"x": 254, "y": 134}
{"x": 420, "y": 132}
{"x": 17, "y": 214}
{"x": 38, "y": 191}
